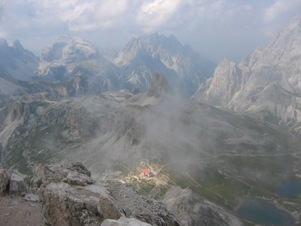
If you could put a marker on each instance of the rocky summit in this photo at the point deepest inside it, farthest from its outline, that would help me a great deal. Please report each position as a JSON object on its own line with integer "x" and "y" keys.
{"x": 184, "y": 69}
{"x": 267, "y": 81}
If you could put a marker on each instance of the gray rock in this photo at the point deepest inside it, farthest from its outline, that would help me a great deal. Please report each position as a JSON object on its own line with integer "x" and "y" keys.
{"x": 90, "y": 204}
{"x": 63, "y": 204}
{"x": 4, "y": 181}
{"x": 80, "y": 168}
{"x": 192, "y": 210}
{"x": 19, "y": 183}
{"x": 123, "y": 221}
{"x": 140, "y": 207}
{"x": 73, "y": 173}
{"x": 77, "y": 178}
{"x": 31, "y": 198}
{"x": 108, "y": 208}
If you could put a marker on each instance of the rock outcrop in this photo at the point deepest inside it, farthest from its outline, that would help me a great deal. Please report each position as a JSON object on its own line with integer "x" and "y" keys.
{"x": 192, "y": 210}
{"x": 4, "y": 181}
{"x": 14, "y": 182}
{"x": 70, "y": 196}
{"x": 19, "y": 183}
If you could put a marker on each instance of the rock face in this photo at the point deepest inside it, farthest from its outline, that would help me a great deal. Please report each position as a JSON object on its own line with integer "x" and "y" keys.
{"x": 192, "y": 210}
{"x": 19, "y": 183}
{"x": 87, "y": 202}
{"x": 143, "y": 208}
{"x": 267, "y": 81}
{"x": 4, "y": 181}
{"x": 17, "y": 62}
{"x": 15, "y": 183}
{"x": 145, "y": 55}
{"x": 75, "y": 59}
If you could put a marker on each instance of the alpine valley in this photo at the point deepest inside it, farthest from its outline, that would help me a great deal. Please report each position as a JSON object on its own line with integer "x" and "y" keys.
{"x": 205, "y": 141}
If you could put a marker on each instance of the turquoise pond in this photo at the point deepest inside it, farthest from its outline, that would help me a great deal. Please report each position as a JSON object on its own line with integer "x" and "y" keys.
{"x": 264, "y": 212}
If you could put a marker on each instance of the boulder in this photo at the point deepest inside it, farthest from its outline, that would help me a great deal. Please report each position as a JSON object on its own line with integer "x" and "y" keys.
{"x": 69, "y": 195}
{"x": 19, "y": 183}
{"x": 64, "y": 205}
{"x": 4, "y": 181}
{"x": 192, "y": 210}
{"x": 107, "y": 208}
{"x": 76, "y": 178}
{"x": 31, "y": 198}
{"x": 71, "y": 173}
{"x": 73, "y": 198}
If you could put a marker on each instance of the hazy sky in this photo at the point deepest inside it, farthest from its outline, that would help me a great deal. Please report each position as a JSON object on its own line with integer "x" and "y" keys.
{"x": 215, "y": 28}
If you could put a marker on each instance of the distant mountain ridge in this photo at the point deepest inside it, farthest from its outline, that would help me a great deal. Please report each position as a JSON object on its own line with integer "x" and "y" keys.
{"x": 17, "y": 62}
{"x": 267, "y": 81}
{"x": 142, "y": 56}
{"x": 132, "y": 68}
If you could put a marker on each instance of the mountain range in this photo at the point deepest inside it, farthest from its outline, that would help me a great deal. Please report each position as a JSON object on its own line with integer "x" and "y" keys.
{"x": 265, "y": 82}
{"x": 131, "y": 68}
{"x": 124, "y": 112}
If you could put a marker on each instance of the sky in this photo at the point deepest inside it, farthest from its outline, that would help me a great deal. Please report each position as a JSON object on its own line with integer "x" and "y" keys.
{"x": 217, "y": 29}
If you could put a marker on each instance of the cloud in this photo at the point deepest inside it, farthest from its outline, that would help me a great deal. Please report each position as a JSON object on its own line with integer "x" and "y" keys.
{"x": 112, "y": 8}
{"x": 153, "y": 14}
{"x": 2, "y": 5}
{"x": 213, "y": 27}
{"x": 280, "y": 8}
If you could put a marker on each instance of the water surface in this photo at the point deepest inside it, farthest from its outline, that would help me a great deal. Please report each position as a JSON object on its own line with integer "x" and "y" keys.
{"x": 264, "y": 212}
{"x": 290, "y": 189}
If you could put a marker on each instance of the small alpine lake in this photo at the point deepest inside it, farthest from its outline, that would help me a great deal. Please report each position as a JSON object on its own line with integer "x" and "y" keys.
{"x": 261, "y": 211}
{"x": 290, "y": 189}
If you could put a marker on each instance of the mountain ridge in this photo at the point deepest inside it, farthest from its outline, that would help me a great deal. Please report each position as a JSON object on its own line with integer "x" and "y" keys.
{"x": 265, "y": 82}
{"x": 16, "y": 61}
{"x": 131, "y": 68}
{"x": 183, "y": 68}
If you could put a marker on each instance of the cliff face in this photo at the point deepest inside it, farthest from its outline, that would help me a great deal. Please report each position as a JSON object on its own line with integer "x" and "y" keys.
{"x": 266, "y": 81}
{"x": 184, "y": 69}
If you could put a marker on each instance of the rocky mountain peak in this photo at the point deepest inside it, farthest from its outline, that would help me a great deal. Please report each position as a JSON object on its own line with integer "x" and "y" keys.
{"x": 3, "y": 43}
{"x": 17, "y": 45}
{"x": 16, "y": 61}
{"x": 70, "y": 49}
{"x": 156, "y": 45}
{"x": 184, "y": 69}
{"x": 268, "y": 80}
{"x": 155, "y": 40}
{"x": 285, "y": 48}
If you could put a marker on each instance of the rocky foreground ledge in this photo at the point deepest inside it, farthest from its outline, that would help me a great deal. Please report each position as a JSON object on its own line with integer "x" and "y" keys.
{"x": 70, "y": 196}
